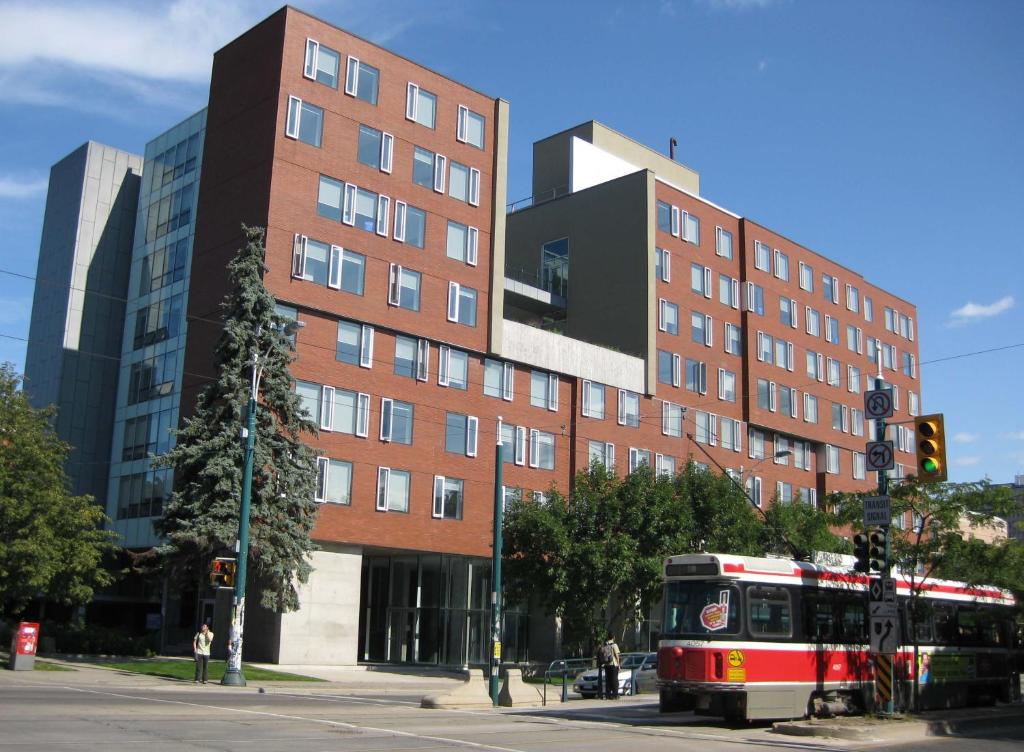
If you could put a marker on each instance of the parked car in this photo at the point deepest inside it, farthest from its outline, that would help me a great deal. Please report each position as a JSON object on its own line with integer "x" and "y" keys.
{"x": 586, "y": 683}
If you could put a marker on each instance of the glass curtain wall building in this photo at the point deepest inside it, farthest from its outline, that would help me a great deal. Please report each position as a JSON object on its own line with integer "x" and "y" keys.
{"x": 152, "y": 356}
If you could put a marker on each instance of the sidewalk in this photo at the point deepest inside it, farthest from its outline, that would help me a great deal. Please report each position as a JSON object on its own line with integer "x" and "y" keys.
{"x": 954, "y": 722}
{"x": 365, "y": 680}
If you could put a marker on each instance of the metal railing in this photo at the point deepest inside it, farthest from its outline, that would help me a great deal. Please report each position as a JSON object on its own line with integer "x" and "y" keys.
{"x": 567, "y": 669}
{"x": 541, "y": 279}
{"x": 536, "y": 200}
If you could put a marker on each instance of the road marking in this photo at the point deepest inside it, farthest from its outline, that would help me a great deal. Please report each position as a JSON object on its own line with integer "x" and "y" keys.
{"x": 284, "y": 716}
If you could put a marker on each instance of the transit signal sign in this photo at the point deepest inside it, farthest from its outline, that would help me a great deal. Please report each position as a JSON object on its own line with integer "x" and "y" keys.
{"x": 877, "y": 511}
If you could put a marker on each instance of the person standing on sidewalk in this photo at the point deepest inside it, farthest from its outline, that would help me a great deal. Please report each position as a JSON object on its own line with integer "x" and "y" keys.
{"x": 611, "y": 660}
{"x": 201, "y": 650}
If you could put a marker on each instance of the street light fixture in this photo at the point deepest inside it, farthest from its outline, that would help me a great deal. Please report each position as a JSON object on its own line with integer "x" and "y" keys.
{"x": 233, "y": 676}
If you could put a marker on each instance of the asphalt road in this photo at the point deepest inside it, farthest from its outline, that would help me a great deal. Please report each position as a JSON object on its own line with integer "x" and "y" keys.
{"x": 68, "y": 718}
{"x": 42, "y": 712}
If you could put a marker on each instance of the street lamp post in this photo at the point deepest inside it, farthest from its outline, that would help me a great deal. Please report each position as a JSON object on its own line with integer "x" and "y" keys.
{"x": 233, "y": 676}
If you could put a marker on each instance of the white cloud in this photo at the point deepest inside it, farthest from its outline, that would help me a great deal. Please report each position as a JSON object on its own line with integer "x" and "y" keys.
{"x": 21, "y": 187}
{"x": 1014, "y": 435}
{"x": 969, "y": 461}
{"x": 965, "y": 438}
{"x": 975, "y": 311}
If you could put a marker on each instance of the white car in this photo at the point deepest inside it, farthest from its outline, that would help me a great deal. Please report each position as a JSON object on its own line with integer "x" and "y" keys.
{"x": 586, "y": 683}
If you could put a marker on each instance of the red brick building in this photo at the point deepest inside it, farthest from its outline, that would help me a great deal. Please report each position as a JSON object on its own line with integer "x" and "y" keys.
{"x": 382, "y": 187}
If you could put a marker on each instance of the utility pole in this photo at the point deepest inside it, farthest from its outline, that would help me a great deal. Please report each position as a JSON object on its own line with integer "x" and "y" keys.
{"x": 499, "y": 509}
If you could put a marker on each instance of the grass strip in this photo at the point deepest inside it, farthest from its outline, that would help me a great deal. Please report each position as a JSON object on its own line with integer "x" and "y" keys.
{"x": 185, "y": 669}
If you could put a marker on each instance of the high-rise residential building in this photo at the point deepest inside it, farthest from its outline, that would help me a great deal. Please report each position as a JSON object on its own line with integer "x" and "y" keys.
{"x": 78, "y": 307}
{"x": 615, "y": 316}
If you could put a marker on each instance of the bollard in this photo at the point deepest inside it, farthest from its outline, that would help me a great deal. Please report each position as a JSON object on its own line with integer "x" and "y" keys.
{"x": 565, "y": 687}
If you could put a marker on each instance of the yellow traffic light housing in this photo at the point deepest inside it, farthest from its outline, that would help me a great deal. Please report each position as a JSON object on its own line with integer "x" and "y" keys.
{"x": 931, "y": 448}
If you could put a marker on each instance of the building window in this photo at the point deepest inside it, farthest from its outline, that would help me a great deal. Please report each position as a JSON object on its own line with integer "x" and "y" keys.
{"x": 420, "y": 106}
{"x": 158, "y": 321}
{"x": 153, "y": 377}
{"x": 593, "y": 400}
{"x": 663, "y": 264}
{"x": 696, "y": 376}
{"x": 810, "y": 408}
{"x": 638, "y": 458}
{"x": 498, "y": 377}
{"x": 726, "y": 385}
{"x": 762, "y": 256}
{"x": 410, "y": 224}
{"x": 305, "y": 122}
{"x": 755, "y": 441}
{"x": 330, "y": 265}
{"x": 701, "y": 328}
{"x": 813, "y": 321}
{"x": 859, "y": 468}
{"x": 355, "y": 344}
{"x": 723, "y": 243}
{"x": 338, "y": 410}
{"x": 731, "y": 434}
{"x": 852, "y": 299}
{"x": 784, "y": 354}
{"x": 461, "y": 304}
{"x": 913, "y": 404}
{"x": 733, "y": 339}
{"x": 765, "y": 347}
{"x": 766, "y": 395}
{"x": 544, "y": 390}
{"x": 787, "y": 312}
{"x": 460, "y": 434}
{"x": 668, "y": 317}
{"x": 815, "y": 365}
{"x": 831, "y": 459}
{"x": 787, "y": 401}
{"x": 869, "y": 309}
{"x": 542, "y": 449}
{"x": 452, "y": 367}
{"x": 700, "y": 280}
{"x": 629, "y": 408}
{"x": 333, "y": 481}
{"x": 362, "y": 80}
{"x": 782, "y": 266}
{"x": 425, "y": 167}
{"x": 830, "y": 288}
{"x": 909, "y": 365}
{"x": 802, "y": 455}
{"x": 464, "y": 184}
{"x": 412, "y": 357}
{"x": 706, "y": 427}
{"x": 755, "y": 298}
{"x": 601, "y": 452}
{"x": 396, "y": 419}
{"x": 404, "y": 288}
{"x": 784, "y": 492}
{"x": 664, "y": 213}
{"x": 166, "y": 264}
{"x": 690, "y": 228}
{"x": 806, "y": 277}
{"x": 463, "y": 242}
{"x": 329, "y": 198}
{"x": 470, "y": 127}
{"x": 447, "y": 498}
{"x": 782, "y": 444}
{"x": 837, "y": 416}
{"x": 322, "y": 64}
{"x": 376, "y": 148}
{"x": 754, "y": 490}
{"x": 669, "y": 368}
{"x": 853, "y": 379}
{"x": 834, "y": 368}
{"x": 665, "y": 465}
{"x": 672, "y": 419}
{"x": 392, "y": 490}
{"x": 728, "y": 291}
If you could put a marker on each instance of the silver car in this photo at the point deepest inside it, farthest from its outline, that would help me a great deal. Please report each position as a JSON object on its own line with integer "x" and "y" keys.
{"x": 586, "y": 683}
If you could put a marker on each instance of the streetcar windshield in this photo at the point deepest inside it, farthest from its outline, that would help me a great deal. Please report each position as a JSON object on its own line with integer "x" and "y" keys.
{"x": 701, "y": 609}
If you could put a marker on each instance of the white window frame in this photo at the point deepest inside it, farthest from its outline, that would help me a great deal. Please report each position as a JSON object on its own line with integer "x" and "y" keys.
{"x": 520, "y": 451}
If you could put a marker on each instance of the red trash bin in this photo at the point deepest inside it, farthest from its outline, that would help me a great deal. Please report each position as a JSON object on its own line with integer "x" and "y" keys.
{"x": 23, "y": 649}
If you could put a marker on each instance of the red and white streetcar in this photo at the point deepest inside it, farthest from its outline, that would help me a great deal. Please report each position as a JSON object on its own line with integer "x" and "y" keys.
{"x": 751, "y": 638}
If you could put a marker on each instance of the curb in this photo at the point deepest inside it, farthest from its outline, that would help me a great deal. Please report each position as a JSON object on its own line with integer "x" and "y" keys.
{"x": 872, "y": 730}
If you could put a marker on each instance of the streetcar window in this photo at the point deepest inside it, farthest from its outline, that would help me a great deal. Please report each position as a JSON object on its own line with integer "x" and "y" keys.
{"x": 854, "y": 622}
{"x": 924, "y": 623}
{"x": 945, "y": 625}
{"x": 818, "y": 620}
{"x": 977, "y": 627}
{"x": 701, "y": 609}
{"x": 769, "y": 612}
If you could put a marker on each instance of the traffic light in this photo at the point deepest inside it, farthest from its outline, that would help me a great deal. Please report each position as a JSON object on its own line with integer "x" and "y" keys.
{"x": 860, "y": 550}
{"x": 878, "y": 544}
{"x": 931, "y": 448}
{"x": 222, "y": 572}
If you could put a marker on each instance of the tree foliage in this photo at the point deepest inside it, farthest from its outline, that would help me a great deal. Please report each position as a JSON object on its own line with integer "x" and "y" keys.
{"x": 51, "y": 543}
{"x": 595, "y": 559}
{"x": 799, "y": 530}
{"x": 201, "y": 518}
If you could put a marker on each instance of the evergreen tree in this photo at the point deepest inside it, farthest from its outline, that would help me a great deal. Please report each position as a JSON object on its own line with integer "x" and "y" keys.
{"x": 51, "y": 543}
{"x": 201, "y": 518}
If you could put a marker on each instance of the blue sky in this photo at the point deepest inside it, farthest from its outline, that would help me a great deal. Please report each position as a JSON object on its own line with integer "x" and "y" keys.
{"x": 885, "y": 135}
